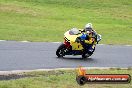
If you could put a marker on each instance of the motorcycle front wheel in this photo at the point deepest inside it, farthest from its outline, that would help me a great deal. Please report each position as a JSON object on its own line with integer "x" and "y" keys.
{"x": 61, "y": 50}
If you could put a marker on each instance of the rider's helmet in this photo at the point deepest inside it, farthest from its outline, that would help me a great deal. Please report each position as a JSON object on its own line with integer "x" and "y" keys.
{"x": 89, "y": 33}
{"x": 88, "y": 27}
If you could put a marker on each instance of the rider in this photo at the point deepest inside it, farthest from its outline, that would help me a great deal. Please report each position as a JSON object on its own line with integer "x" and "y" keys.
{"x": 89, "y": 27}
{"x": 86, "y": 38}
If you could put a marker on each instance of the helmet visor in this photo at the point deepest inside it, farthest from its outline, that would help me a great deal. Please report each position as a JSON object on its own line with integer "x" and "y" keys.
{"x": 88, "y": 29}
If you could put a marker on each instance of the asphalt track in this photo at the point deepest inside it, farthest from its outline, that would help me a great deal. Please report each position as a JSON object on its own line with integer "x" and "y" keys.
{"x": 41, "y": 55}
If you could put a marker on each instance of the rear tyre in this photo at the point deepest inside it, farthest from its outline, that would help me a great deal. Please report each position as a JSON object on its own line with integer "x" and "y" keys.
{"x": 86, "y": 55}
{"x": 61, "y": 50}
{"x": 90, "y": 53}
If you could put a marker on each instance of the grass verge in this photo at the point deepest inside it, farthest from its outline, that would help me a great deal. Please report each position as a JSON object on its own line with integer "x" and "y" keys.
{"x": 61, "y": 79}
{"x": 47, "y": 20}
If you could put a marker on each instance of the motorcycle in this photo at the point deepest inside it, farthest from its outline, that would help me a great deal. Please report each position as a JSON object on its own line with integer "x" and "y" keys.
{"x": 72, "y": 44}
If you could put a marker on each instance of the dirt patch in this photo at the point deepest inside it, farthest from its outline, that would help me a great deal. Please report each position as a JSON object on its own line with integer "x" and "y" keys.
{"x": 17, "y": 9}
{"x": 14, "y": 76}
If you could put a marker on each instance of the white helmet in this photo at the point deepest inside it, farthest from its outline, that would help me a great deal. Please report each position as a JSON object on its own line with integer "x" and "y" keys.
{"x": 88, "y": 27}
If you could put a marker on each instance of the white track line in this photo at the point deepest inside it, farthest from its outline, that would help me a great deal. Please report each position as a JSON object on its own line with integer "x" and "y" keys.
{"x": 2, "y": 40}
{"x": 23, "y": 71}
{"x": 24, "y": 41}
{"x": 61, "y": 42}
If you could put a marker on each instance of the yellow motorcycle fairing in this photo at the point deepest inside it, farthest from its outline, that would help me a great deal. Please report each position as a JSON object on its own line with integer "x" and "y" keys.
{"x": 72, "y": 38}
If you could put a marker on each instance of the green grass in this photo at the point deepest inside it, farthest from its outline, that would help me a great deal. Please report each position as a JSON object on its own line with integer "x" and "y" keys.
{"x": 62, "y": 79}
{"x": 47, "y": 20}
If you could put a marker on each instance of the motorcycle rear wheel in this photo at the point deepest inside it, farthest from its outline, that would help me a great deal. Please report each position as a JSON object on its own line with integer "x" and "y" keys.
{"x": 90, "y": 53}
{"x": 84, "y": 56}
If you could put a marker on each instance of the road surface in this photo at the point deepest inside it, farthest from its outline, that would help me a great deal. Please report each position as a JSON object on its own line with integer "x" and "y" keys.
{"x": 41, "y": 55}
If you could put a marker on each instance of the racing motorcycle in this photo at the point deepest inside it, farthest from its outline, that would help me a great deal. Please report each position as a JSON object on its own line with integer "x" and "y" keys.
{"x": 71, "y": 46}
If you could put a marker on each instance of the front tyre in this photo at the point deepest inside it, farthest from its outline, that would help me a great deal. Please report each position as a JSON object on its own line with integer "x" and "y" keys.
{"x": 61, "y": 50}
